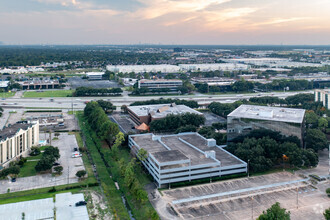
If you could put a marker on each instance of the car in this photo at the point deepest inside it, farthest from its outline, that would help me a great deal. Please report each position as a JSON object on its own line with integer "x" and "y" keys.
{"x": 81, "y": 203}
{"x": 13, "y": 180}
{"x": 75, "y": 155}
{"x": 56, "y": 164}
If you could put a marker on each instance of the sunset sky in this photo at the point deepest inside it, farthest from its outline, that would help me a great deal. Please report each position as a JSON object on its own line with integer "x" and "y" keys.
{"x": 165, "y": 21}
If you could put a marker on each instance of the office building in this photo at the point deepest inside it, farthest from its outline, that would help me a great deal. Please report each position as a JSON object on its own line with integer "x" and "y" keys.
{"x": 322, "y": 96}
{"x": 244, "y": 119}
{"x": 94, "y": 75}
{"x": 184, "y": 157}
{"x": 147, "y": 113}
{"x": 164, "y": 68}
{"x": 171, "y": 84}
{"x": 16, "y": 140}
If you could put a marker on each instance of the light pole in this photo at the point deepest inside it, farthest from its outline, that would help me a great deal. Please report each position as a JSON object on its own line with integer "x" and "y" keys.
{"x": 248, "y": 167}
{"x": 252, "y": 206}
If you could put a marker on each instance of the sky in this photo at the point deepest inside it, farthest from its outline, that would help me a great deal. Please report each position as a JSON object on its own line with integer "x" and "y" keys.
{"x": 220, "y": 22}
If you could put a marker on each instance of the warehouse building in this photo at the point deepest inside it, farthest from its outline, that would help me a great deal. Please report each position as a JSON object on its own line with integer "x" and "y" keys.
{"x": 322, "y": 96}
{"x": 184, "y": 157}
{"x": 164, "y": 68}
{"x": 244, "y": 119}
{"x": 147, "y": 113}
{"x": 16, "y": 140}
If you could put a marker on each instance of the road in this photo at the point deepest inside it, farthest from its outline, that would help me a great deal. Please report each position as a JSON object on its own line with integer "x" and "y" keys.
{"x": 79, "y": 102}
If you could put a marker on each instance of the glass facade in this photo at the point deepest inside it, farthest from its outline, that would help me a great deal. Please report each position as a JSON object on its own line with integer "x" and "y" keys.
{"x": 243, "y": 126}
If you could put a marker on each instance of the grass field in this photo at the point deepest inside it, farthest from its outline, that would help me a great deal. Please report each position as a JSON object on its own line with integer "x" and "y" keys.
{"x": 53, "y": 93}
{"x": 6, "y": 94}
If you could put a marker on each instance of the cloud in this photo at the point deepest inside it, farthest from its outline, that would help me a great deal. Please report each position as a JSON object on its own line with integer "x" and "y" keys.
{"x": 156, "y": 8}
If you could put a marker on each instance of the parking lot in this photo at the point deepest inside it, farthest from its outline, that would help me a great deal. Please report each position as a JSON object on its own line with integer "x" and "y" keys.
{"x": 66, "y": 143}
{"x": 77, "y": 81}
{"x": 246, "y": 198}
{"x": 211, "y": 118}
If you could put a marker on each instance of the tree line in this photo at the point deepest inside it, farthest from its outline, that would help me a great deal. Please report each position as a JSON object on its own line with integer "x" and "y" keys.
{"x": 173, "y": 122}
{"x": 89, "y": 91}
{"x": 191, "y": 104}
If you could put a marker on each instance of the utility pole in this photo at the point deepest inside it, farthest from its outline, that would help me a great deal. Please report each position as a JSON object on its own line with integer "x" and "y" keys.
{"x": 252, "y": 206}
{"x": 68, "y": 174}
{"x": 297, "y": 197}
{"x": 248, "y": 167}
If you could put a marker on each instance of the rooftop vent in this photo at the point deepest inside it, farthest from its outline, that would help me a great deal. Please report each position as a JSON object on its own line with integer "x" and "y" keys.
{"x": 210, "y": 154}
{"x": 211, "y": 142}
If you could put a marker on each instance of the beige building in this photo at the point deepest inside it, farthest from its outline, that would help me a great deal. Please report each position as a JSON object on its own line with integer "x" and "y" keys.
{"x": 16, "y": 141}
{"x": 322, "y": 96}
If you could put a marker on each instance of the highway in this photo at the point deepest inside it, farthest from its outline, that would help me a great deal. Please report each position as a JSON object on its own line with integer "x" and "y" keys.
{"x": 79, "y": 102}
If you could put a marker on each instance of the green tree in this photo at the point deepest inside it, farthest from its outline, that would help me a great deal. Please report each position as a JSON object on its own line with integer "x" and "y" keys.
{"x": 316, "y": 140}
{"x": 275, "y": 212}
{"x": 52, "y": 152}
{"x": 81, "y": 173}
{"x": 327, "y": 214}
{"x": 45, "y": 163}
{"x": 142, "y": 154}
{"x": 322, "y": 123}
{"x": 58, "y": 169}
{"x": 311, "y": 119}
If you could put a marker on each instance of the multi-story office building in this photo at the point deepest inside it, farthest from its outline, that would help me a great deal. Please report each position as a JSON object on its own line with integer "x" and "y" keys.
{"x": 184, "y": 157}
{"x": 147, "y": 113}
{"x": 171, "y": 84}
{"x": 16, "y": 140}
{"x": 244, "y": 119}
{"x": 322, "y": 96}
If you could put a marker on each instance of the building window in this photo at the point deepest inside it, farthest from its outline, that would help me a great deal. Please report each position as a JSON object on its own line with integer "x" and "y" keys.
{"x": 20, "y": 143}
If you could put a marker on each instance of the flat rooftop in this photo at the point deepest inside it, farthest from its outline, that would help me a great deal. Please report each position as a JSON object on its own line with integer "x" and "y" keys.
{"x": 159, "y": 80}
{"x": 184, "y": 146}
{"x": 291, "y": 115}
{"x": 9, "y": 132}
{"x": 160, "y": 111}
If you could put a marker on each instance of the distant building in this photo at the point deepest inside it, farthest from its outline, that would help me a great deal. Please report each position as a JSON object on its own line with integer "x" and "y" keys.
{"x": 213, "y": 67}
{"x": 164, "y": 68}
{"x": 171, "y": 84}
{"x": 16, "y": 140}
{"x": 147, "y": 113}
{"x": 4, "y": 85}
{"x": 177, "y": 50}
{"x": 40, "y": 84}
{"x": 322, "y": 96}
{"x": 94, "y": 75}
{"x": 244, "y": 119}
{"x": 184, "y": 157}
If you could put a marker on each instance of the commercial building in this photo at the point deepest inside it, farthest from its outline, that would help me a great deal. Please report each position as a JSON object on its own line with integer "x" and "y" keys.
{"x": 171, "y": 84}
{"x": 4, "y": 85}
{"x": 322, "y": 95}
{"x": 213, "y": 67}
{"x": 244, "y": 119}
{"x": 94, "y": 75}
{"x": 272, "y": 62}
{"x": 164, "y": 68}
{"x": 184, "y": 157}
{"x": 40, "y": 84}
{"x": 147, "y": 113}
{"x": 16, "y": 140}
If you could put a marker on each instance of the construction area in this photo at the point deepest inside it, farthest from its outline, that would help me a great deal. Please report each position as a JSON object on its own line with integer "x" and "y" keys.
{"x": 246, "y": 198}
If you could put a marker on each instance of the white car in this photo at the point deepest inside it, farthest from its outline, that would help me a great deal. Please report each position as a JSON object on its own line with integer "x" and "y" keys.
{"x": 77, "y": 154}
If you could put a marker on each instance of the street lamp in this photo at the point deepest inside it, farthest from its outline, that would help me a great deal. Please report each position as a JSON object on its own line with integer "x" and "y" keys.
{"x": 248, "y": 167}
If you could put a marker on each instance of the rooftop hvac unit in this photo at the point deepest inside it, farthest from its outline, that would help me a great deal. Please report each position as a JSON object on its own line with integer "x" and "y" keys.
{"x": 210, "y": 154}
{"x": 211, "y": 142}
{"x": 155, "y": 137}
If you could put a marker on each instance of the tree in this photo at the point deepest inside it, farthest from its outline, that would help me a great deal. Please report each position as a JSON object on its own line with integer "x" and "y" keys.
{"x": 58, "y": 169}
{"x": 52, "y": 152}
{"x": 275, "y": 212}
{"x": 81, "y": 173}
{"x": 311, "y": 119}
{"x": 327, "y": 214}
{"x": 322, "y": 123}
{"x": 316, "y": 140}
{"x": 106, "y": 106}
{"x": 142, "y": 154}
{"x": 45, "y": 163}
{"x": 1, "y": 110}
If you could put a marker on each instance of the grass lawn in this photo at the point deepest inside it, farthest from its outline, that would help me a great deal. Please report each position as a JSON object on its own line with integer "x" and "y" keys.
{"x": 28, "y": 169}
{"x": 6, "y": 94}
{"x": 53, "y": 93}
